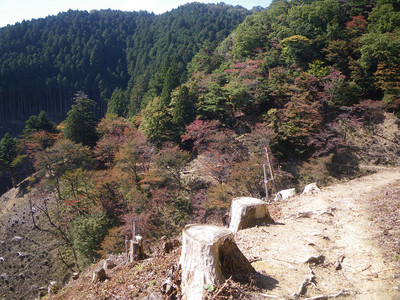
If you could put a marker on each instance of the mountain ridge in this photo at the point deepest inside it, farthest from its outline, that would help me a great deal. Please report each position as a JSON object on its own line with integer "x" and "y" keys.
{"x": 46, "y": 61}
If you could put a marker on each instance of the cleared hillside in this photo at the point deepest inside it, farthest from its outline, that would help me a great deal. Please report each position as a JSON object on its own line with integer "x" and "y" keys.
{"x": 356, "y": 223}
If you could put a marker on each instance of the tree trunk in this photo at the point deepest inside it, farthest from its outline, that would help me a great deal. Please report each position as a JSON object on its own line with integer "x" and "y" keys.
{"x": 13, "y": 179}
{"x": 209, "y": 256}
{"x": 246, "y": 212}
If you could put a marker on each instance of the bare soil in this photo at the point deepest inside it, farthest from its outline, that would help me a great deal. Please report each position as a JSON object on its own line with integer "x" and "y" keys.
{"x": 27, "y": 255}
{"x": 356, "y": 224}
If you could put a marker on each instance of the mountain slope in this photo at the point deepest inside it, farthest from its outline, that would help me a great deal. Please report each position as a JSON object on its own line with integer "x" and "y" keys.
{"x": 340, "y": 222}
{"x": 44, "y": 62}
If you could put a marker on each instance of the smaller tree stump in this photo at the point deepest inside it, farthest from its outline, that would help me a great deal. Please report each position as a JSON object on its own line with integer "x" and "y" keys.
{"x": 247, "y": 212}
{"x": 310, "y": 188}
{"x": 99, "y": 275}
{"x": 209, "y": 256}
{"x": 136, "y": 251}
{"x": 52, "y": 288}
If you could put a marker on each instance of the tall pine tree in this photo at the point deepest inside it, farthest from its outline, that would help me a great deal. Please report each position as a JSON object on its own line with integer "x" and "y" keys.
{"x": 80, "y": 124}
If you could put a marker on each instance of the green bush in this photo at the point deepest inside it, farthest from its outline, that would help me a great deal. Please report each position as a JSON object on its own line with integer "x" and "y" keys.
{"x": 88, "y": 232}
{"x": 316, "y": 170}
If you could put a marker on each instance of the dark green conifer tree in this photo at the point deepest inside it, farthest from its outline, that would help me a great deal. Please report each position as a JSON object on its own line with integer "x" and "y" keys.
{"x": 8, "y": 156}
{"x": 40, "y": 122}
{"x": 80, "y": 125}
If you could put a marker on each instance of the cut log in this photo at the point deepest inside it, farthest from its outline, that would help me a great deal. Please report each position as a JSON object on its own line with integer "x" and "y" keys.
{"x": 247, "y": 212}
{"x": 209, "y": 256}
{"x": 285, "y": 194}
{"x": 136, "y": 249}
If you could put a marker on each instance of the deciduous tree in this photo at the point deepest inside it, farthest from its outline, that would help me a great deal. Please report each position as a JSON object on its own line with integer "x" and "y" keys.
{"x": 170, "y": 162}
{"x": 296, "y": 49}
{"x": 55, "y": 161}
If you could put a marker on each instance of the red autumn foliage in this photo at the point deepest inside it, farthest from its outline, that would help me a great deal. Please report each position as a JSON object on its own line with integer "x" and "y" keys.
{"x": 246, "y": 69}
{"x": 159, "y": 197}
{"x": 39, "y": 141}
{"x": 219, "y": 165}
{"x": 107, "y": 147}
{"x": 115, "y": 126}
{"x": 198, "y": 132}
{"x": 371, "y": 111}
{"x": 357, "y": 26}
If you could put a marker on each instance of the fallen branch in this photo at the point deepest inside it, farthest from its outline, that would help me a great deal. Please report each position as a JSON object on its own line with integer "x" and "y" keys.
{"x": 315, "y": 260}
{"x": 254, "y": 259}
{"x": 305, "y": 214}
{"x": 343, "y": 292}
{"x": 394, "y": 192}
{"x": 338, "y": 263}
{"x": 328, "y": 212}
{"x": 221, "y": 289}
{"x": 171, "y": 286}
{"x": 308, "y": 214}
{"x": 286, "y": 261}
{"x": 308, "y": 280}
{"x": 229, "y": 288}
{"x": 111, "y": 294}
{"x": 264, "y": 295}
{"x": 312, "y": 244}
{"x": 365, "y": 269}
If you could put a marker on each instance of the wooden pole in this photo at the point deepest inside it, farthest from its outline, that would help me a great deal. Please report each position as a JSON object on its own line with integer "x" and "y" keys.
{"x": 271, "y": 170}
{"x": 265, "y": 183}
{"x": 134, "y": 227}
{"x": 126, "y": 247}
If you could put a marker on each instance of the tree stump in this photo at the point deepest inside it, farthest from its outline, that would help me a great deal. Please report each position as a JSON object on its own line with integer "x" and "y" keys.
{"x": 52, "y": 288}
{"x": 310, "y": 188}
{"x": 99, "y": 275}
{"x": 209, "y": 256}
{"x": 246, "y": 212}
{"x": 136, "y": 249}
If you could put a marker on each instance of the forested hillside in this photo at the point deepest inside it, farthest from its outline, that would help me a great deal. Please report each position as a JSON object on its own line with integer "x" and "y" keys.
{"x": 308, "y": 70}
{"x": 44, "y": 62}
{"x": 316, "y": 81}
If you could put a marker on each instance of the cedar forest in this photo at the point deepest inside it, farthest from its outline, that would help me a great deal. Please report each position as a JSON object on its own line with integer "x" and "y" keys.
{"x": 170, "y": 114}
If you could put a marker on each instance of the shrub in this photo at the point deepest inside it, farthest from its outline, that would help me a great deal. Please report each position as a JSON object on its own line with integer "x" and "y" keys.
{"x": 88, "y": 232}
{"x": 315, "y": 170}
{"x": 114, "y": 242}
{"x": 219, "y": 199}
{"x": 247, "y": 178}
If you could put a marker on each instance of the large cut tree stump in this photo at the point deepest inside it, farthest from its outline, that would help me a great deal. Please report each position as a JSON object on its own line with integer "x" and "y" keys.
{"x": 136, "y": 249}
{"x": 247, "y": 212}
{"x": 209, "y": 256}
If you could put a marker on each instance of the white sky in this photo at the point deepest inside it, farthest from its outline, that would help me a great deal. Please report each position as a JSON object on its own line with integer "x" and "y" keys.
{"x": 12, "y": 11}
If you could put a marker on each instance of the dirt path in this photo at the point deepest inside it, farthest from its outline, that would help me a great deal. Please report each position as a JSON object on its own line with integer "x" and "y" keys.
{"x": 336, "y": 223}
